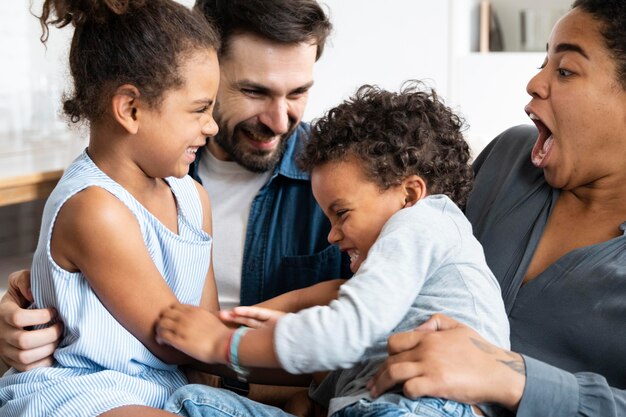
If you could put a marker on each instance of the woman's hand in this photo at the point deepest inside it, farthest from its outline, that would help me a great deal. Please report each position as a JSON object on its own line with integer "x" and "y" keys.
{"x": 194, "y": 331}
{"x": 254, "y": 317}
{"x": 20, "y": 348}
{"x": 444, "y": 358}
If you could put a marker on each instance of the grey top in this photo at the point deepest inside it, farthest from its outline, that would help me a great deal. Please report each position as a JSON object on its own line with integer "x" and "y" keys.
{"x": 573, "y": 315}
{"x": 425, "y": 261}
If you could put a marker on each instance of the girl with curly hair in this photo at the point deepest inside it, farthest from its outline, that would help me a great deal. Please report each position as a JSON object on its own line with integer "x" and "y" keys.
{"x": 389, "y": 170}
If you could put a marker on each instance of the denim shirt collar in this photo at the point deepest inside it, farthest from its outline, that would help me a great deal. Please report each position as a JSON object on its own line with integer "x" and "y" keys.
{"x": 288, "y": 166}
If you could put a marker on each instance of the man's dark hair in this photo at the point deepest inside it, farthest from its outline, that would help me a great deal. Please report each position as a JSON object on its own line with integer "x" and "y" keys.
{"x": 612, "y": 16}
{"x": 394, "y": 135}
{"x": 284, "y": 21}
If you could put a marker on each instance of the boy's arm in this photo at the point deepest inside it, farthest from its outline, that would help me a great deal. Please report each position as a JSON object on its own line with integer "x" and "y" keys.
{"x": 321, "y": 293}
{"x": 106, "y": 245}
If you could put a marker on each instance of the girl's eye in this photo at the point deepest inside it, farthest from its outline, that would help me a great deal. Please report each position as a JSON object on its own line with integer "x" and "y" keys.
{"x": 341, "y": 213}
{"x": 202, "y": 109}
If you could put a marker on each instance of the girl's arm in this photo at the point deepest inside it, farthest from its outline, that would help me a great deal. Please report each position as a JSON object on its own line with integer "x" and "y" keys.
{"x": 106, "y": 245}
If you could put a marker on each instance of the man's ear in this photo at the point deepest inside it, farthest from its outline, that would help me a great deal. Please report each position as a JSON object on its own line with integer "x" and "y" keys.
{"x": 124, "y": 107}
{"x": 414, "y": 190}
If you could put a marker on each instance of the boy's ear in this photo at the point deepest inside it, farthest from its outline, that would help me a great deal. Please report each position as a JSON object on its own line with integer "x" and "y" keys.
{"x": 124, "y": 107}
{"x": 414, "y": 190}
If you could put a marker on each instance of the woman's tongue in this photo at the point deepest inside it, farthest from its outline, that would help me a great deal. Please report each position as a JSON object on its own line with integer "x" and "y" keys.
{"x": 540, "y": 152}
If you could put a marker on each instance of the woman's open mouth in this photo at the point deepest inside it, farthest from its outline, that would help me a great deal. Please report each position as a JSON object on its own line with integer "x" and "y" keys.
{"x": 541, "y": 150}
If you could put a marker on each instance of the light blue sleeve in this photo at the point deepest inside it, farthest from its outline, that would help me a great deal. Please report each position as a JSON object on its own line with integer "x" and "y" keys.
{"x": 411, "y": 246}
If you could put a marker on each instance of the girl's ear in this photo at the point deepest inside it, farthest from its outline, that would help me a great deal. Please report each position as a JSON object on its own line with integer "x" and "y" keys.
{"x": 124, "y": 107}
{"x": 414, "y": 190}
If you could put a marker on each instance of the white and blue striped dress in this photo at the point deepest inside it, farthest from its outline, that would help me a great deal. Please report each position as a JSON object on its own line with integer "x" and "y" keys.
{"x": 99, "y": 364}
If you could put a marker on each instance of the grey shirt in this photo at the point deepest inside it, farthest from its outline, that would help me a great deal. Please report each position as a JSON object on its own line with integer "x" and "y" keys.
{"x": 573, "y": 315}
{"x": 425, "y": 261}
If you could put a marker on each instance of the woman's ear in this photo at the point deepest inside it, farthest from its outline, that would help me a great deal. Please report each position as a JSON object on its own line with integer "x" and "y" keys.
{"x": 124, "y": 107}
{"x": 414, "y": 190}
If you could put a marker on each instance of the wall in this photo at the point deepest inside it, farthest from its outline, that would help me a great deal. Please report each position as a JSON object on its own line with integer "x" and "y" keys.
{"x": 381, "y": 42}
{"x": 545, "y": 13}
{"x": 489, "y": 89}
{"x": 376, "y": 41}
{"x": 31, "y": 81}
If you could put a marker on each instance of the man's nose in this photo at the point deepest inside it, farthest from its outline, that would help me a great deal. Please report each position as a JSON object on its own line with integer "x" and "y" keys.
{"x": 276, "y": 116}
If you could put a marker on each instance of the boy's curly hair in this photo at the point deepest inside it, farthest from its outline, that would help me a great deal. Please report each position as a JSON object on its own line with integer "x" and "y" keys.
{"x": 395, "y": 135}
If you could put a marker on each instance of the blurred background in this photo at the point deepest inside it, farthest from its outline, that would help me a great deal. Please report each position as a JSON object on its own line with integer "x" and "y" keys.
{"x": 375, "y": 42}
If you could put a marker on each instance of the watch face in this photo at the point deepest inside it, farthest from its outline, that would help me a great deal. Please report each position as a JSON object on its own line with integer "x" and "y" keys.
{"x": 236, "y": 386}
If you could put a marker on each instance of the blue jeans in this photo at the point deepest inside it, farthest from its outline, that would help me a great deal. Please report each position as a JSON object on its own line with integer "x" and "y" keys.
{"x": 394, "y": 405}
{"x": 197, "y": 400}
{"x": 204, "y": 401}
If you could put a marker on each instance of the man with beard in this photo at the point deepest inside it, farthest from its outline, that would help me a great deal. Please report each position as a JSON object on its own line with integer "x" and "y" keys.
{"x": 269, "y": 234}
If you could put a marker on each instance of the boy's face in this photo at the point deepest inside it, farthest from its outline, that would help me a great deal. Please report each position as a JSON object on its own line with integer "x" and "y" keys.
{"x": 356, "y": 207}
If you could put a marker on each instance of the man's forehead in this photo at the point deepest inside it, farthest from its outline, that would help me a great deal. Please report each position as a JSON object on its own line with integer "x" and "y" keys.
{"x": 255, "y": 60}
{"x": 242, "y": 40}
{"x": 252, "y": 50}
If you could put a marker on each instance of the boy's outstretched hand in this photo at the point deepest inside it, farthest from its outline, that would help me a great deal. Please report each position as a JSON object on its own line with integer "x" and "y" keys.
{"x": 254, "y": 317}
{"x": 195, "y": 332}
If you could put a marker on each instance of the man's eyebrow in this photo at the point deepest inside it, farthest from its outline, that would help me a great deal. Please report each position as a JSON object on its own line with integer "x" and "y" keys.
{"x": 267, "y": 90}
{"x": 252, "y": 85}
{"x": 302, "y": 88}
{"x": 570, "y": 47}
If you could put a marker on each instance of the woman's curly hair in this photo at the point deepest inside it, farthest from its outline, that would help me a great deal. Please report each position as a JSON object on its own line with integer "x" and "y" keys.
{"x": 395, "y": 135}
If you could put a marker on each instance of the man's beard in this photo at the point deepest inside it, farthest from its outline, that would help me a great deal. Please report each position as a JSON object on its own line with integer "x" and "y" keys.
{"x": 254, "y": 160}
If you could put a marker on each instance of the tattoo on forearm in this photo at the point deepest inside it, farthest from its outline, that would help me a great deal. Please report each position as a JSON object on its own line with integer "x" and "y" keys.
{"x": 511, "y": 354}
{"x": 485, "y": 347}
{"x": 516, "y": 365}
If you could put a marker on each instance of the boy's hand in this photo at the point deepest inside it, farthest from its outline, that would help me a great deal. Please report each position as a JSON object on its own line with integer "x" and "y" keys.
{"x": 255, "y": 317}
{"x": 195, "y": 332}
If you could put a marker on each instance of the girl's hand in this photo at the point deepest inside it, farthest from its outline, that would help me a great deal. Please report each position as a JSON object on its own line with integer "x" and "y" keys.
{"x": 195, "y": 332}
{"x": 444, "y": 358}
{"x": 255, "y": 317}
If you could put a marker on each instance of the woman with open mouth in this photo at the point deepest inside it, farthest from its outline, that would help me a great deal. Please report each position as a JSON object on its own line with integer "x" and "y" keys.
{"x": 549, "y": 207}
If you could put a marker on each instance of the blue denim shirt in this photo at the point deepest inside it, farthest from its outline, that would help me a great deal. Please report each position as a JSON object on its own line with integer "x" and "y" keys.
{"x": 286, "y": 244}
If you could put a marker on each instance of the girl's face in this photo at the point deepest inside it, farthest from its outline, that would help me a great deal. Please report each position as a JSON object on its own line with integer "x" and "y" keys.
{"x": 579, "y": 107}
{"x": 356, "y": 207}
{"x": 172, "y": 132}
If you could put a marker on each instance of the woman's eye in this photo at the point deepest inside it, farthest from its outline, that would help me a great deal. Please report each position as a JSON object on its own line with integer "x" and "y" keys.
{"x": 202, "y": 109}
{"x": 564, "y": 73}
